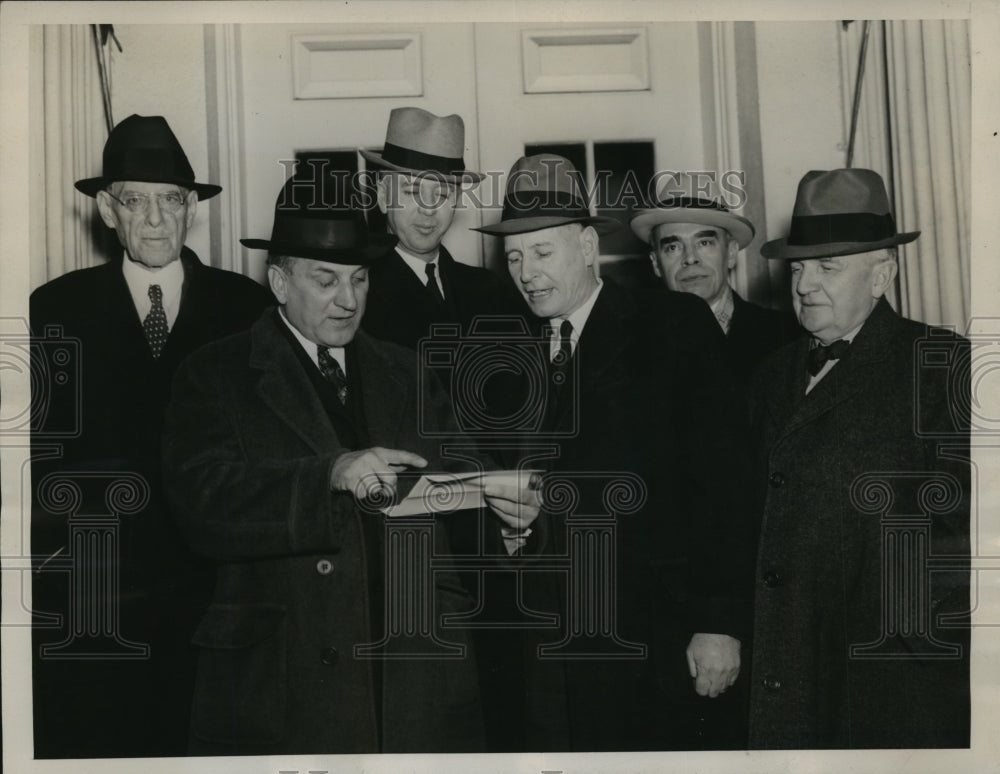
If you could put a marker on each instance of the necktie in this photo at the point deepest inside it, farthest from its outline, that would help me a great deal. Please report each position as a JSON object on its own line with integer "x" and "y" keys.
{"x": 432, "y": 286}
{"x": 333, "y": 373}
{"x": 155, "y": 324}
{"x": 818, "y": 355}
{"x": 560, "y": 361}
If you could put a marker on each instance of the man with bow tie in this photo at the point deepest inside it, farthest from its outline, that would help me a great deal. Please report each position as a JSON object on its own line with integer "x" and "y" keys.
{"x": 133, "y": 319}
{"x": 862, "y": 588}
{"x": 274, "y": 441}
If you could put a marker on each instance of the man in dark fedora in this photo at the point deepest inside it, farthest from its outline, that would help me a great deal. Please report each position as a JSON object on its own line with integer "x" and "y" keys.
{"x": 274, "y": 440}
{"x": 637, "y": 389}
{"x": 132, "y": 321}
{"x": 862, "y": 588}
{"x": 418, "y": 283}
{"x": 694, "y": 243}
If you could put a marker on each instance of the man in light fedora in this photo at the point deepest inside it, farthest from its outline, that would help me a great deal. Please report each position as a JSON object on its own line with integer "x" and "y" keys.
{"x": 861, "y": 431}
{"x": 132, "y": 321}
{"x": 638, "y": 388}
{"x": 418, "y": 283}
{"x": 274, "y": 439}
{"x": 694, "y": 243}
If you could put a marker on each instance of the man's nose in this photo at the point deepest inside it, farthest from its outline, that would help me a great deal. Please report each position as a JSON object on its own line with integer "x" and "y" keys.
{"x": 153, "y": 213}
{"x": 805, "y": 281}
{"x": 346, "y": 297}
{"x": 688, "y": 256}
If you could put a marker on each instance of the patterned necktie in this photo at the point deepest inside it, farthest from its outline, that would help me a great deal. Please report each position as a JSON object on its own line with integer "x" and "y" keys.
{"x": 818, "y": 355}
{"x": 432, "y": 286}
{"x": 560, "y": 361}
{"x": 333, "y": 373}
{"x": 155, "y": 324}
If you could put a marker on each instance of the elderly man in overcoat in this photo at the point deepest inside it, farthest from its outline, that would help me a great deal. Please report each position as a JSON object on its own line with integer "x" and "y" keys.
{"x": 122, "y": 687}
{"x": 276, "y": 442}
{"x": 862, "y": 590}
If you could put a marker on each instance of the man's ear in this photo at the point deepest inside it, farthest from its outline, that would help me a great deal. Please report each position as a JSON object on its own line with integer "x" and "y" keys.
{"x": 883, "y": 273}
{"x": 590, "y": 243}
{"x": 192, "y": 208}
{"x": 382, "y": 192}
{"x": 104, "y": 207}
{"x": 278, "y": 281}
{"x": 656, "y": 264}
{"x": 732, "y": 250}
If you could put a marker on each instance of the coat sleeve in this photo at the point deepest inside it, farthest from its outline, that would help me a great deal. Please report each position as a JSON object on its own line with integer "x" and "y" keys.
{"x": 229, "y": 506}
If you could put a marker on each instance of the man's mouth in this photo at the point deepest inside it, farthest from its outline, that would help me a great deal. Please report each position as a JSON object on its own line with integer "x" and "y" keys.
{"x": 538, "y": 295}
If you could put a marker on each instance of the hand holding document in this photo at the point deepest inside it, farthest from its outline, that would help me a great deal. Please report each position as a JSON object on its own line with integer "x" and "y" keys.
{"x": 447, "y": 492}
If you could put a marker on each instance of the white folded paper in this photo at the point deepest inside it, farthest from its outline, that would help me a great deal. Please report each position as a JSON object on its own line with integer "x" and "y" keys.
{"x": 447, "y": 492}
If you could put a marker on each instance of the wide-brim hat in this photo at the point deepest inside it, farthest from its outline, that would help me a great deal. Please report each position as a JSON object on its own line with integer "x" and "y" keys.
{"x": 838, "y": 212}
{"x": 692, "y": 198}
{"x": 142, "y": 148}
{"x": 419, "y": 142}
{"x": 305, "y": 227}
{"x": 544, "y": 191}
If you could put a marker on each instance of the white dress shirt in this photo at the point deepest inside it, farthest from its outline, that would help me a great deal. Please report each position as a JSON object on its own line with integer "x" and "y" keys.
{"x": 170, "y": 278}
{"x": 577, "y": 319}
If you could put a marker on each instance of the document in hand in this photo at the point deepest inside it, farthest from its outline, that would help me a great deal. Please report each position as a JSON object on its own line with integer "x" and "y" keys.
{"x": 447, "y": 492}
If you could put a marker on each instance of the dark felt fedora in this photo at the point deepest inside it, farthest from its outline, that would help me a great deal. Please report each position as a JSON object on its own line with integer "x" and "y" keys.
{"x": 840, "y": 212}
{"x": 687, "y": 198}
{"x": 143, "y": 148}
{"x": 306, "y": 228}
{"x": 419, "y": 142}
{"x": 544, "y": 191}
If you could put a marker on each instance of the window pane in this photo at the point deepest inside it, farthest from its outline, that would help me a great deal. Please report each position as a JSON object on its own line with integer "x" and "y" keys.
{"x": 623, "y": 174}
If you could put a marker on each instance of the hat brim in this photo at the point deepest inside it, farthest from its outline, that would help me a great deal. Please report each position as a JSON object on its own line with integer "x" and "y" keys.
{"x": 351, "y": 256}
{"x": 539, "y": 222}
{"x": 645, "y": 221}
{"x": 465, "y": 175}
{"x": 91, "y": 185}
{"x": 779, "y": 249}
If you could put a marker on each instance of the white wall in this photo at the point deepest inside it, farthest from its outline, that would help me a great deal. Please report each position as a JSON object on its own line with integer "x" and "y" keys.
{"x": 802, "y": 123}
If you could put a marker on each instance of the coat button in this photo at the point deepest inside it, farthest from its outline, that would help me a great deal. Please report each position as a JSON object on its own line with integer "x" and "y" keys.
{"x": 324, "y": 566}
{"x": 771, "y": 684}
{"x": 329, "y": 656}
{"x": 776, "y": 479}
{"x": 772, "y": 579}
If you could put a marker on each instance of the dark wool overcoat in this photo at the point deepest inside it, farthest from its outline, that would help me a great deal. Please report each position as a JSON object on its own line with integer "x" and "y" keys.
{"x": 754, "y": 333}
{"x": 249, "y": 449}
{"x": 102, "y": 422}
{"x": 862, "y": 589}
{"x": 650, "y": 402}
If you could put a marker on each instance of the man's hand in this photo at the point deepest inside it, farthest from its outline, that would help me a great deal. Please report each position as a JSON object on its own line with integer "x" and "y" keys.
{"x": 517, "y": 506}
{"x": 370, "y": 472}
{"x": 714, "y": 662}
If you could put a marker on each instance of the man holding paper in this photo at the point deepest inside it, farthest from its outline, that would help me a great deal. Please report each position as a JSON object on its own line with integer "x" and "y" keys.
{"x": 651, "y": 462}
{"x": 277, "y": 442}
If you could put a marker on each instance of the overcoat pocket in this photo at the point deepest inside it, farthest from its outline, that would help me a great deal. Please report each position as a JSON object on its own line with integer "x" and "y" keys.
{"x": 241, "y": 687}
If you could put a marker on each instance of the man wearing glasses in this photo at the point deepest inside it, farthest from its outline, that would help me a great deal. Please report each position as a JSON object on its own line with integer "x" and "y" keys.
{"x": 112, "y": 675}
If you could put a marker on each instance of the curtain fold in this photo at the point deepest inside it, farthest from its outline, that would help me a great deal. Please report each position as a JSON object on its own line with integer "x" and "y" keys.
{"x": 73, "y": 135}
{"x": 929, "y": 106}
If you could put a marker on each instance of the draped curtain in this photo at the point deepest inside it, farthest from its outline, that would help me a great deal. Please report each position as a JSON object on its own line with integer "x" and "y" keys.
{"x": 914, "y": 128}
{"x": 68, "y": 114}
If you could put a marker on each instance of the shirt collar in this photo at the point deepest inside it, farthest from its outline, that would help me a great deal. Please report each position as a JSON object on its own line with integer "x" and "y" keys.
{"x": 311, "y": 347}
{"x": 578, "y": 318}
{"x": 170, "y": 278}
{"x": 418, "y": 265}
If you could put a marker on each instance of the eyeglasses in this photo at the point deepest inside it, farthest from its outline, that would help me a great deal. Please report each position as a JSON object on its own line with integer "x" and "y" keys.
{"x": 169, "y": 201}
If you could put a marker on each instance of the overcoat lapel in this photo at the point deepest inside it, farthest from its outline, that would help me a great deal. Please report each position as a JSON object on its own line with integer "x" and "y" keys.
{"x": 851, "y": 375}
{"x": 385, "y": 394}
{"x": 284, "y": 387}
{"x": 120, "y": 313}
{"x": 403, "y": 292}
{"x": 193, "y": 306}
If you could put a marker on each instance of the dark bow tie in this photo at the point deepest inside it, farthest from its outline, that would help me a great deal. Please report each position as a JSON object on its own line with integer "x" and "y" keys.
{"x": 818, "y": 355}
